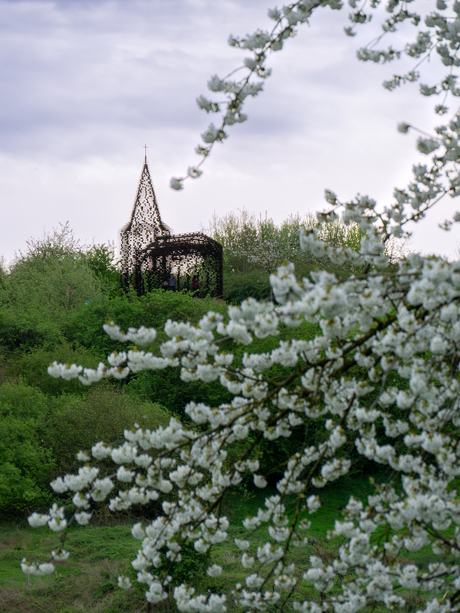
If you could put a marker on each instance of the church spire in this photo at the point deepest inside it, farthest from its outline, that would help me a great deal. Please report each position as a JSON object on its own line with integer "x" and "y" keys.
{"x": 145, "y": 211}
{"x": 145, "y": 224}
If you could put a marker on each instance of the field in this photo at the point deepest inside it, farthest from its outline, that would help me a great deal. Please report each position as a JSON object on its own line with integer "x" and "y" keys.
{"x": 87, "y": 582}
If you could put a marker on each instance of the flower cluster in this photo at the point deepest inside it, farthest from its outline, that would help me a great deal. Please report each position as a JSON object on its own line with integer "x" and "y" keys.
{"x": 373, "y": 327}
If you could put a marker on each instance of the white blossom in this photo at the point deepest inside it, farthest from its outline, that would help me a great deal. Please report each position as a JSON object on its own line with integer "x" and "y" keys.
{"x": 124, "y": 454}
{"x": 260, "y": 481}
{"x": 101, "y": 451}
{"x": 124, "y": 583}
{"x": 241, "y": 543}
{"x": 37, "y": 519}
{"x": 82, "y": 518}
{"x": 214, "y": 571}
{"x": 39, "y": 570}
{"x": 57, "y": 524}
{"x": 60, "y": 555}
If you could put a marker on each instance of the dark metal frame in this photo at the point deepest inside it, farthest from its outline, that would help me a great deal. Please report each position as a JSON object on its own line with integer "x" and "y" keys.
{"x": 151, "y": 254}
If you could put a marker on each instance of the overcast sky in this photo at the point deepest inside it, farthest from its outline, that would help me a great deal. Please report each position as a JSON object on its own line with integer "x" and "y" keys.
{"x": 86, "y": 83}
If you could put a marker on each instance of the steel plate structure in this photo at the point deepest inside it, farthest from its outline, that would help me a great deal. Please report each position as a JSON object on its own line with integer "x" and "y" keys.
{"x": 152, "y": 257}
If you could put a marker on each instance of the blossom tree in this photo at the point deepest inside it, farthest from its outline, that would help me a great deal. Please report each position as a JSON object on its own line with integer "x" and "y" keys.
{"x": 375, "y": 326}
{"x": 264, "y": 245}
{"x": 258, "y": 242}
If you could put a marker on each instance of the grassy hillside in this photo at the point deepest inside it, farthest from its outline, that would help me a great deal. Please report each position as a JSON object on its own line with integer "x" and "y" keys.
{"x": 53, "y": 305}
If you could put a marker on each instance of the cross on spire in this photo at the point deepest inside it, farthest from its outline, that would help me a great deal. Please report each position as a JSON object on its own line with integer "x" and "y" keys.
{"x": 145, "y": 147}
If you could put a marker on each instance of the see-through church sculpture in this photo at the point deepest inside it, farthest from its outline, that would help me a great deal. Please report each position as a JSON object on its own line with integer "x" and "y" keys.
{"x": 152, "y": 257}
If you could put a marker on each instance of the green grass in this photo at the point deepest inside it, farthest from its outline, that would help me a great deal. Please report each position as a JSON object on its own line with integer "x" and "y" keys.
{"x": 87, "y": 581}
{"x": 239, "y": 505}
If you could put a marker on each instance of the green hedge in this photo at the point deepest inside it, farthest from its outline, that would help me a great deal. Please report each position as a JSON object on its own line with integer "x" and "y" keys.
{"x": 40, "y": 435}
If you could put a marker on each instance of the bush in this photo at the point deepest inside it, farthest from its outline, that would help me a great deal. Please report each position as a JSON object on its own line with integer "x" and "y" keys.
{"x": 74, "y": 423}
{"x": 40, "y": 435}
{"x": 31, "y": 367}
{"x": 238, "y": 287}
{"x": 153, "y": 309}
{"x": 48, "y": 291}
{"x": 14, "y": 336}
{"x": 101, "y": 260}
{"x": 47, "y": 283}
{"x": 167, "y": 388}
{"x": 25, "y": 463}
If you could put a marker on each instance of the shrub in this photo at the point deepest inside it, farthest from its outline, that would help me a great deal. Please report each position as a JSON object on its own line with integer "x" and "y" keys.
{"x": 25, "y": 463}
{"x": 238, "y": 287}
{"x": 31, "y": 366}
{"x": 101, "y": 260}
{"x": 153, "y": 309}
{"x": 74, "y": 423}
{"x": 14, "y": 336}
{"x": 40, "y": 435}
{"x": 47, "y": 283}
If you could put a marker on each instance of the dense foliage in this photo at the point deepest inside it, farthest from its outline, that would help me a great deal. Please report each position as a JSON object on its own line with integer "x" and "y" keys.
{"x": 252, "y": 244}
{"x": 41, "y": 434}
{"x": 54, "y": 300}
{"x": 254, "y": 248}
{"x": 45, "y": 421}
